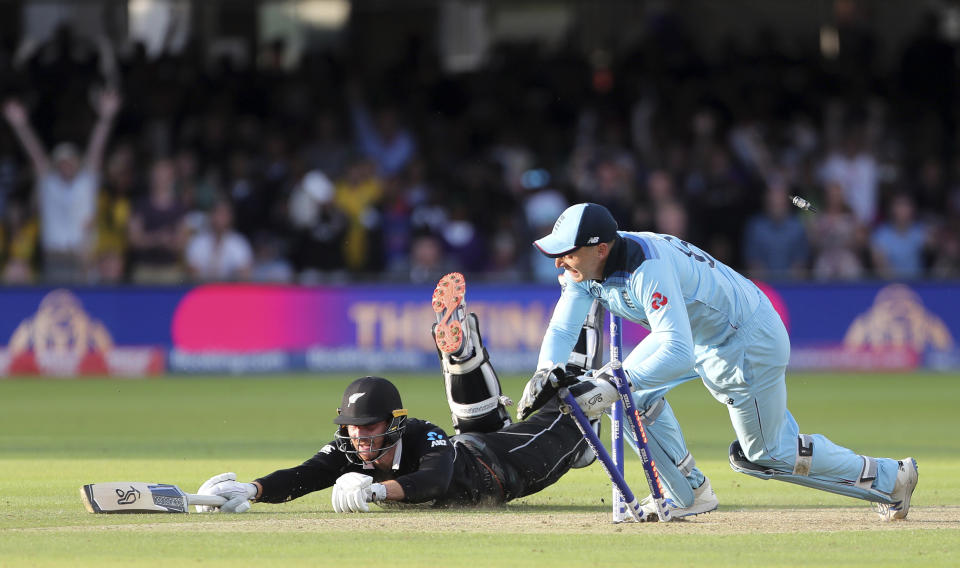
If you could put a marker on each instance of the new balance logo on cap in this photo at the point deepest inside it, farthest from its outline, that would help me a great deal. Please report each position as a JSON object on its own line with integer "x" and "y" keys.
{"x": 581, "y": 225}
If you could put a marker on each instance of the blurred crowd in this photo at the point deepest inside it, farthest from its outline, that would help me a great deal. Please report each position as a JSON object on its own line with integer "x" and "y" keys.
{"x": 116, "y": 167}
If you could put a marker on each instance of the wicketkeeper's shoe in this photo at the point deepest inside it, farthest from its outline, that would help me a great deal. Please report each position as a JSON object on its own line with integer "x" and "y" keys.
{"x": 704, "y": 501}
{"x": 449, "y": 303}
{"x": 907, "y": 477}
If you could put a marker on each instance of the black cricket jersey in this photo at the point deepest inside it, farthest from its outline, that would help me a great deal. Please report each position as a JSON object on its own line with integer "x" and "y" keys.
{"x": 469, "y": 469}
{"x": 430, "y": 469}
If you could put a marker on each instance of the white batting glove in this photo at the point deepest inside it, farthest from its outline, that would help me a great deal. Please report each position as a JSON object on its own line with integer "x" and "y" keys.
{"x": 206, "y": 489}
{"x": 594, "y": 395}
{"x": 225, "y": 485}
{"x": 354, "y": 490}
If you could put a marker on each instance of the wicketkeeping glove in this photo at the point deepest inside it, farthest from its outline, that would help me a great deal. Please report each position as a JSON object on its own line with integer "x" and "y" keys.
{"x": 225, "y": 485}
{"x": 541, "y": 388}
{"x": 353, "y": 491}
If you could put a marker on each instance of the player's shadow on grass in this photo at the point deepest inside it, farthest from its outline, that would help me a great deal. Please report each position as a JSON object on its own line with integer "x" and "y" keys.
{"x": 790, "y": 507}
{"x": 572, "y": 508}
{"x": 605, "y": 507}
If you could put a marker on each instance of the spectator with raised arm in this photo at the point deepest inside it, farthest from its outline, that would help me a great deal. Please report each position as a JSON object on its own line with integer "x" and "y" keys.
{"x": 854, "y": 167}
{"x": 66, "y": 185}
{"x": 382, "y": 139}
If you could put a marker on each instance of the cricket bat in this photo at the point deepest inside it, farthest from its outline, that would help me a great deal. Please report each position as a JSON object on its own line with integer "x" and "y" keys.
{"x": 139, "y": 497}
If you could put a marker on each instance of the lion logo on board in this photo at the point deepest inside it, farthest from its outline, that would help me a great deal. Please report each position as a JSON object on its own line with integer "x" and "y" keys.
{"x": 898, "y": 318}
{"x": 60, "y": 334}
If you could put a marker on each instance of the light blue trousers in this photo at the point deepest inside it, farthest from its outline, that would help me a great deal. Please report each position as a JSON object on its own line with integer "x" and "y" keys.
{"x": 747, "y": 373}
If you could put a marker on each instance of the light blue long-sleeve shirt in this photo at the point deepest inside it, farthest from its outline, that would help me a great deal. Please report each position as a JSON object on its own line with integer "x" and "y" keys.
{"x": 685, "y": 297}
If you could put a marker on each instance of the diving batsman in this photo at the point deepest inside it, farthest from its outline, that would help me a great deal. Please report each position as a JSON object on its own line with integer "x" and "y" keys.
{"x": 380, "y": 454}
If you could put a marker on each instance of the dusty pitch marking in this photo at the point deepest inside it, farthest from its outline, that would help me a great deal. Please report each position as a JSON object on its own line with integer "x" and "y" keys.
{"x": 723, "y": 522}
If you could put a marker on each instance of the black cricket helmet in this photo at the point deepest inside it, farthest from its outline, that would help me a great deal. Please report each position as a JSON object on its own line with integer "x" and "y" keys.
{"x": 366, "y": 401}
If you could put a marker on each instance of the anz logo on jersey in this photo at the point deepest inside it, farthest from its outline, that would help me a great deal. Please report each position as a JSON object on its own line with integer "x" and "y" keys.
{"x": 436, "y": 439}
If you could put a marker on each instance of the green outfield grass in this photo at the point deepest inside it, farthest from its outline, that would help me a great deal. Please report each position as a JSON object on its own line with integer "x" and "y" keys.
{"x": 56, "y": 435}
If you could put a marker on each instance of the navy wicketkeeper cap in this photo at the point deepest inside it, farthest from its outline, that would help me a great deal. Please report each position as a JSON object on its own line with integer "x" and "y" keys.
{"x": 369, "y": 400}
{"x": 581, "y": 225}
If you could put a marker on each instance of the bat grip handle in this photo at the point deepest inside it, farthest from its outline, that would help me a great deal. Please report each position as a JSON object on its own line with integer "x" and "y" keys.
{"x": 211, "y": 500}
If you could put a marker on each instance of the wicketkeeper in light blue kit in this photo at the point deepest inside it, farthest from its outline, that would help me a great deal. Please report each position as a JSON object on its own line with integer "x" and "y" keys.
{"x": 705, "y": 321}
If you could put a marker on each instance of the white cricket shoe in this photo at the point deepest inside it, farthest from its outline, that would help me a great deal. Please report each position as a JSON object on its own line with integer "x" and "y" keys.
{"x": 907, "y": 477}
{"x": 704, "y": 501}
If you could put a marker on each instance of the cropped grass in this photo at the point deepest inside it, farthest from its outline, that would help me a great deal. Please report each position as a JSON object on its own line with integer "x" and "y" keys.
{"x": 56, "y": 435}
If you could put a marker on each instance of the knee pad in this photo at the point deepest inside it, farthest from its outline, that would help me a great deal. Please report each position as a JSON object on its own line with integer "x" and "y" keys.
{"x": 860, "y": 489}
{"x": 587, "y": 354}
{"x": 473, "y": 390}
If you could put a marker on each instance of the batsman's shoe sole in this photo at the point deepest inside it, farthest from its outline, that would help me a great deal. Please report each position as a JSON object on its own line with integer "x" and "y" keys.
{"x": 448, "y": 303}
{"x": 908, "y": 474}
